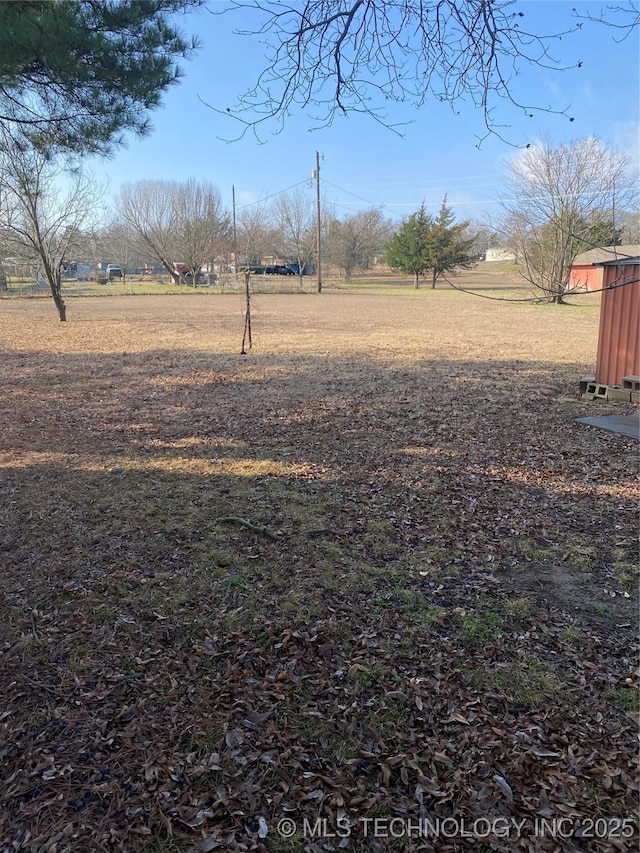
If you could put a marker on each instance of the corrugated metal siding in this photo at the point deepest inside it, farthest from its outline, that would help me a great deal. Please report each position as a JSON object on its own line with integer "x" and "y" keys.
{"x": 619, "y": 338}
{"x": 585, "y": 277}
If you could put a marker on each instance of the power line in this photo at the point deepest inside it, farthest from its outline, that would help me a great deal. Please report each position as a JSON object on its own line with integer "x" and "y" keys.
{"x": 348, "y": 192}
{"x": 366, "y": 201}
{"x": 433, "y": 180}
{"x": 273, "y": 195}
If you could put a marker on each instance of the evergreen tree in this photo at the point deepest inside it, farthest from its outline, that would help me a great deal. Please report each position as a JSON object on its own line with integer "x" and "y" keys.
{"x": 408, "y": 249}
{"x": 75, "y": 74}
{"x": 600, "y": 230}
{"x": 448, "y": 247}
{"x": 423, "y": 244}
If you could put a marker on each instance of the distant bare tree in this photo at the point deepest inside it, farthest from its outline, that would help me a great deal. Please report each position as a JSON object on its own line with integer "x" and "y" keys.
{"x": 486, "y": 236}
{"x": 253, "y": 231}
{"x": 353, "y": 243}
{"x": 116, "y": 243}
{"x": 630, "y": 224}
{"x": 41, "y": 220}
{"x": 175, "y": 222}
{"x": 203, "y": 226}
{"x": 149, "y": 211}
{"x": 560, "y": 203}
{"x": 293, "y": 237}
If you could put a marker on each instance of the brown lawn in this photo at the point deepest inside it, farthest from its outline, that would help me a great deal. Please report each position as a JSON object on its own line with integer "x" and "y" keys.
{"x": 370, "y": 578}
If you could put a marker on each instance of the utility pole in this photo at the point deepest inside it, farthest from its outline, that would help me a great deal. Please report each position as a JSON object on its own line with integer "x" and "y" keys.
{"x": 316, "y": 175}
{"x": 235, "y": 239}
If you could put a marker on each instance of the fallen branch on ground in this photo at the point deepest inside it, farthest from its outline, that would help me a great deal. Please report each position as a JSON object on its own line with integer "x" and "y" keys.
{"x": 265, "y": 531}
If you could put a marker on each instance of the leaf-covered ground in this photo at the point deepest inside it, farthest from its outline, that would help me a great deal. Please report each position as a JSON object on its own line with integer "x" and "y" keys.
{"x": 420, "y": 635}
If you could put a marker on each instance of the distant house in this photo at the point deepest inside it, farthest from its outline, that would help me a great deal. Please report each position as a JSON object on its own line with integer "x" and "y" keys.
{"x": 587, "y": 270}
{"x": 619, "y": 336}
{"x": 498, "y": 254}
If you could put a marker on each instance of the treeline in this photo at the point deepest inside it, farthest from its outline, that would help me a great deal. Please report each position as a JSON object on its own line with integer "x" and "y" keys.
{"x": 560, "y": 201}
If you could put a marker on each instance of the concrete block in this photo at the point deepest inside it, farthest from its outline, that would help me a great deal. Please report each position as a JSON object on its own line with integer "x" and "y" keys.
{"x": 635, "y": 396}
{"x": 618, "y": 394}
{"x": 597, "y": 390}
{"x": 631, "y": 382}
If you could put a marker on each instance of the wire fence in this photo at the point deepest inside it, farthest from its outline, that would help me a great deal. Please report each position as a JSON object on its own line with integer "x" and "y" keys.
{"x": 144, "y": 286}
{"x": 486, "y": 278}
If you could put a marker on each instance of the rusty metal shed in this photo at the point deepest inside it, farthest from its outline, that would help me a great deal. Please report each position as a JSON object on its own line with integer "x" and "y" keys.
{"x": 619, "y": 336}
{"x": 587, "y": 270}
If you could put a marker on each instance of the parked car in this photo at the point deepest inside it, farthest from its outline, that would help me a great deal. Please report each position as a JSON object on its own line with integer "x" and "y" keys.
{"x": 309, "y": 269}
{"x": 113, "y": 271}
{"x": 279, "y": 269}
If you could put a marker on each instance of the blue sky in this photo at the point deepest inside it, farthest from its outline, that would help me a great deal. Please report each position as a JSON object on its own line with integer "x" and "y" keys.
{"x": 362, "y": 163}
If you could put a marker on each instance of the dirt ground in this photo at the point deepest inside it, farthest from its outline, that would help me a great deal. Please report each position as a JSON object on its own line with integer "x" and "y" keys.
{"x": 483, "y": 276}
{"x": 370, "y": 569}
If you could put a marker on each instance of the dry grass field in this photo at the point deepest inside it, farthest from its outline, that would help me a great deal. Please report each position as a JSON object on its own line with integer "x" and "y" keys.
{"x": 368, "y": 587}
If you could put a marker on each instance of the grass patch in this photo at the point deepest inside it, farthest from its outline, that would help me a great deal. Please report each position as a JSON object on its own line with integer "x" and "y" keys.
{"x": 159, "y": 842}
{"x": 482, "y": 626}
{"x": 626, "y": 573}
{"x": 572, "y": 634}
{"x": 235, "y": 581}
{"x": 624, "y": 698}
{"x": 278, "y": 844}
{"x": 518, "y": 608}
{"x": 527, "y": 681}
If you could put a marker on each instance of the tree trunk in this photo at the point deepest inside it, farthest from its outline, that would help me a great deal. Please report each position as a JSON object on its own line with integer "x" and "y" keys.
{"x": 3, "y": 278}
{"x": 417, "y": 281}
{"x": 173, "y": 275}
{"x": 54, "y": 277}
{"x": 56, "y": 292}
{"x": 558, "y": 293}
{"x": 433, "y": 280}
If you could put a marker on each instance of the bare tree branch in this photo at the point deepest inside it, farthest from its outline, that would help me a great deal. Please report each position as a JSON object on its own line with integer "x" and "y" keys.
{"x": 339, "y": 56}
{"x": 625, "y": 18}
